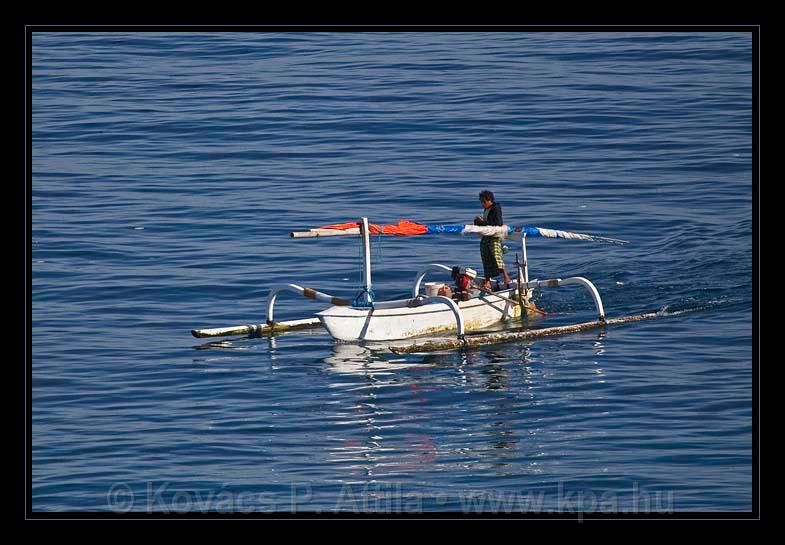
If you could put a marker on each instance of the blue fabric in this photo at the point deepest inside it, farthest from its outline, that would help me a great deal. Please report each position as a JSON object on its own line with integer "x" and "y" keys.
{"x": 444, "y": 228}
{"x": 433, "y": 229}
{"x": 531, "y": 231}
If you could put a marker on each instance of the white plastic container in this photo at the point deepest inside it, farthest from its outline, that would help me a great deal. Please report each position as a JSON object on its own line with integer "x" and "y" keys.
{"x": 432, "y": 288}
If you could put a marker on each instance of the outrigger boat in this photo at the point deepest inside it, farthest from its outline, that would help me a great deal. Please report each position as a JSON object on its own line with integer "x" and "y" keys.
{"x": 367, "y": 319}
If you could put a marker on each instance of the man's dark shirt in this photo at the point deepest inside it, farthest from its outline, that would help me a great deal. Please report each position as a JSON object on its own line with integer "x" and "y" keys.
{"x": 493, "y": 216}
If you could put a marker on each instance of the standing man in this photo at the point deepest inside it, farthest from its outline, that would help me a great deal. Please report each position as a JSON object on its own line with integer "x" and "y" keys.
{"x": 491, "y": 247}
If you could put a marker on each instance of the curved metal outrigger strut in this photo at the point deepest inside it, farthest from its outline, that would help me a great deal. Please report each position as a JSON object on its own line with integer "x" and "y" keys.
{"x": 305, "y": 292}
{"x": 430, "y": 268}
{"x": 575, "y": 280}
{"x": 425, "y": 300}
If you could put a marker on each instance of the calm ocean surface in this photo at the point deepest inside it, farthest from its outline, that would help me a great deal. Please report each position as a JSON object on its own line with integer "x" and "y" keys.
{"x": 169, "y": 168}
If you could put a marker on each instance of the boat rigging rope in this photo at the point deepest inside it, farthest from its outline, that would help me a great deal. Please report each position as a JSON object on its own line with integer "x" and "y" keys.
{"x": 366, "y": 302}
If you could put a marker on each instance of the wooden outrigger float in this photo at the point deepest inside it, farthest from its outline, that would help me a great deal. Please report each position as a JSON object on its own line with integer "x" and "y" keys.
{"x": 442, "y": 345}
{"x": 366, "y": 319}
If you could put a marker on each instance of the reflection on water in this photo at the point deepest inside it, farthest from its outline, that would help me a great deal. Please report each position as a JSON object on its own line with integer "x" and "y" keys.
{"x": 598, "y": 345}
{"x": 358, "y": 359}
{"x": 475, "y": 411}
{"x": 368, "y": 446}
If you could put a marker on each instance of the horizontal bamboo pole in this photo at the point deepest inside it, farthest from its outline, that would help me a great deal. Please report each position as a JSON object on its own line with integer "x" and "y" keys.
{"x": 325, "y": 233}
{"x": 254, "y": 329}
{"x": 503, "y": 337}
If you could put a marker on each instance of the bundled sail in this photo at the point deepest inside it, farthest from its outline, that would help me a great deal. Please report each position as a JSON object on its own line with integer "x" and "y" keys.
{"x": 410, "y": 228}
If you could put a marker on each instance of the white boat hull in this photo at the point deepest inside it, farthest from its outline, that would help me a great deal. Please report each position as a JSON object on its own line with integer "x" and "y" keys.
{"x": 359, "y": 324}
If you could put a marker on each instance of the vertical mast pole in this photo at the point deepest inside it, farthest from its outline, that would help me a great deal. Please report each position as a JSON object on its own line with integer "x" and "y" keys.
{"x": 366, "y": 255}
{"x": 525, "y": 260}
{"x": 525, "y": 266}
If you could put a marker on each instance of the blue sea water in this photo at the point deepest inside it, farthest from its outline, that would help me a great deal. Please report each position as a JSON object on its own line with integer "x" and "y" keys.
{"x": 169, "y": 168}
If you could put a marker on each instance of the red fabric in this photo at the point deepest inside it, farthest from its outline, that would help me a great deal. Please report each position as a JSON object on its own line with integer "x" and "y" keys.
{"x": 402, "y": 228}
{"x": 341, "y": 226}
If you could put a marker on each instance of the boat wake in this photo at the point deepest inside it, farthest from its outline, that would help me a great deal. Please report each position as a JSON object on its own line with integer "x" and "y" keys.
{"x": 690, "y": 306}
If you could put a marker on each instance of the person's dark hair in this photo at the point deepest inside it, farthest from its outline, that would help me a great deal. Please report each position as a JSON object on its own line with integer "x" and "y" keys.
{"x": 486, "y": 195}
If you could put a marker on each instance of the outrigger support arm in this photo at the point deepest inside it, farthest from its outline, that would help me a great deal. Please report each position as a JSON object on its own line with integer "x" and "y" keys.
{"x": 425, "y": 300}
{"x": 305, "y": 292}
{"x": 579, "y": 280}
{"x": 421, "y": 275}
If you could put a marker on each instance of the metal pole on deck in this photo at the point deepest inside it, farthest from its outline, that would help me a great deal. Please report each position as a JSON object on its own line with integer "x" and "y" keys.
{"x": 525, "y": 260}
{"x": 525, "y": 267}
{"x": 366, "y": 255}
